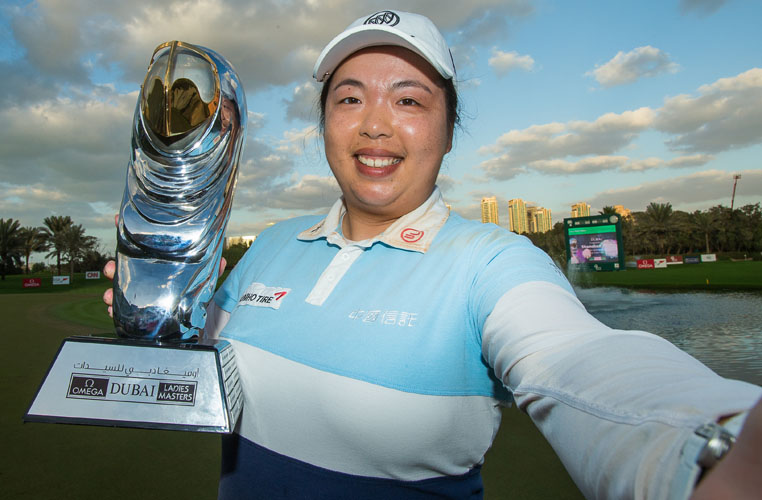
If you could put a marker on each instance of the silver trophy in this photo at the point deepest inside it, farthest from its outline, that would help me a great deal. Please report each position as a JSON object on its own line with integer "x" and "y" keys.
{"x": 187, "y": 138}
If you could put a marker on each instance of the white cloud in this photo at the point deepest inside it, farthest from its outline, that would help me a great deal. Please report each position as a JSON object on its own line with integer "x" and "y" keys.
{"x": 538, "y": 144}
{"x": 642, "y": 165}
{"x": 627, "y": 67}
{"x": 583, "y": 166}
{"x": 726, "y": 114}
{"x": 690, "y": 160}
{"x": 303, "y": 104}
{"x": 505, "y": 62}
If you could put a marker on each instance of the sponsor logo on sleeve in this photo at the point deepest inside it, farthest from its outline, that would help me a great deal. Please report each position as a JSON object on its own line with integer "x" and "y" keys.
{"x": 259, "y": 295}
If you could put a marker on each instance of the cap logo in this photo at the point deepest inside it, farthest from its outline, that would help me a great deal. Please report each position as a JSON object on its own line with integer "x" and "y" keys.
{"x": 383, "y": 17}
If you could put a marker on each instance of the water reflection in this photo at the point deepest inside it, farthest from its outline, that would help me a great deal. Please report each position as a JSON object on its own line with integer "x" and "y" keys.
{"x": 723, "y": 330}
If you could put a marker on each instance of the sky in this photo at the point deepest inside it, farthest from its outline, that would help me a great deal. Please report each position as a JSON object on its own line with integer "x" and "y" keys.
{"x": 597, "y": 101}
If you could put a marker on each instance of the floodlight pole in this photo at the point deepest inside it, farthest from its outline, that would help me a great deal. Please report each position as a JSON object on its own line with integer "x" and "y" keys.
{"x": 733, "y": 197}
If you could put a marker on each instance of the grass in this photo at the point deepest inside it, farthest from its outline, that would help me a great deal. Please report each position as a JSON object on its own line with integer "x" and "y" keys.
{"x": 64, "y": 461}
{"x": 722, "y": 275}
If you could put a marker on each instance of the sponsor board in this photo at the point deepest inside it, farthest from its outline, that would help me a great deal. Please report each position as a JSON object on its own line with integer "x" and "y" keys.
{"x": 645, "y": 263}
{"x": 32, "y": 282}
{"x": 708, "y": 257}
{"x": 674, "y": 259}
{"x": 692, "y": 260}
{"x": 132, "y": 389}
{"x": 660, "y": 263}
{"x": 61, "y": 280}
{"x": 93, "y": 275}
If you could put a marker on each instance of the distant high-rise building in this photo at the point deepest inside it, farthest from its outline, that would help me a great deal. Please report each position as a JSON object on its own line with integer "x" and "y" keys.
{"x": 489, "y": 210}
{"x": 538, "y": 219}
{"x": 580, "y": 209}
{"x": 624, "y": 212}
{"x": 517, "y": 216}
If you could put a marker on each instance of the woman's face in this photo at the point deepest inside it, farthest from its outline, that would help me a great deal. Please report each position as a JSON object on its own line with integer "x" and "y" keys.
{"x": 386, "y": 131}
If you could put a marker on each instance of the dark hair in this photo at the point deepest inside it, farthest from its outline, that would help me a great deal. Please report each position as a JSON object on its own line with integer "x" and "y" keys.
{"x": 451, "y": 102}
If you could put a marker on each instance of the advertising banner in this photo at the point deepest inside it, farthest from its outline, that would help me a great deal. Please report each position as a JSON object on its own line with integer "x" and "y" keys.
{"x": 60, "y": 280}
{"x": 708, "y": 257}
{"x": 692, "y": 260}
{"x": 93, "y": 275}
{"x": 660, "y": 263}
{"x": 674, "y": 259}
{"x": 645, "y": 263}
{"x": 32, "y": 282}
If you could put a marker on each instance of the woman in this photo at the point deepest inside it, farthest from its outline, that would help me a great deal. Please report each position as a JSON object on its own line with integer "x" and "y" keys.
{"x": 376, "y": 344}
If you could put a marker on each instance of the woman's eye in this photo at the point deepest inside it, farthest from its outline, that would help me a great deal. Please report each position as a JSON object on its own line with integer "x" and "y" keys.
{"x": 349, "y": 100}
{"x": 408, "y": 101}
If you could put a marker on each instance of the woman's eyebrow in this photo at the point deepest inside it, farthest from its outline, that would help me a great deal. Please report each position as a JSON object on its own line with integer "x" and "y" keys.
{"x": 351, "y": 82}
{"x": 411, "y": 83}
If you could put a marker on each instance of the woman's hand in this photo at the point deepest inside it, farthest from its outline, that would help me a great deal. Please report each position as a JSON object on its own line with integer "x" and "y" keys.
{"x": 739, "y": 474}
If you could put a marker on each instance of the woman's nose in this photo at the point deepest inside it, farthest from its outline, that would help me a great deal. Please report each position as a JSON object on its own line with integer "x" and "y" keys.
{"x": 376, "y": 122}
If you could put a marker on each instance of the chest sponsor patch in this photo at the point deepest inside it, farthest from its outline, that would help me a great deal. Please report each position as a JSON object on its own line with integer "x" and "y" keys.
{"x": 259, "y": 295}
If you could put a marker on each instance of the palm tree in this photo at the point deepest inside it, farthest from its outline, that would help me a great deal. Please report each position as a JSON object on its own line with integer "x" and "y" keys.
{"x": 75, "y": 244}
{"x": 33, "y": 240}
{"x": 657, "y": 218}
{"x": 10, "y": 245}
{"x": 56, "y": 225}
{"x": 704, "y": 224}
{"x": 608, "y": 210}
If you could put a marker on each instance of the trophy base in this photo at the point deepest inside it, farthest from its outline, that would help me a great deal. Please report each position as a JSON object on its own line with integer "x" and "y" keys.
{"x": 132, "y": 383}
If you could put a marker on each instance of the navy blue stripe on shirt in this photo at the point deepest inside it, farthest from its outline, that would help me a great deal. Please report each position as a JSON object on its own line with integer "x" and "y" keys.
{"x": 250, "y": 471}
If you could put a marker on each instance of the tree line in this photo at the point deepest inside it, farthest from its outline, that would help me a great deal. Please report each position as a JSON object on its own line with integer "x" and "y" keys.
{"x": 59, "y": 236}
{"x": 660, "y": 230}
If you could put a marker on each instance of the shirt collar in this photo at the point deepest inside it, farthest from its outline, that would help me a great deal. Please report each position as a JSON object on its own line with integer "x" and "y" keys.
{"x": 414, "y": 231}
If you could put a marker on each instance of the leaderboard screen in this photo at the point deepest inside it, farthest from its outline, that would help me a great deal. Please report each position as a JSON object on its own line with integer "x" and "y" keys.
{"x": 594, "y": 243}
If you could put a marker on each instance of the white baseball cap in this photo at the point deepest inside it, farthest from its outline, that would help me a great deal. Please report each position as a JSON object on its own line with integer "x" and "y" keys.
{"x": 389, "y": 27}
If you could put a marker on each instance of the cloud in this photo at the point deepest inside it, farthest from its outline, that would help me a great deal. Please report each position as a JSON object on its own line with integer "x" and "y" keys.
{"x": 698, "y": 190}
{"x": 628, "y": 67}
{"x": 690, "y": 161}
{"x": 701, "y": 7}
{"x": 535, "y": 146}
{"x": 726, "y": 114}
{"x": 583, "y": 166}
{"x": 75, "y": 42}
{"x": 68, "y": 145}
{"x": 505, "y": 62}
{"x": 303, "y": 104}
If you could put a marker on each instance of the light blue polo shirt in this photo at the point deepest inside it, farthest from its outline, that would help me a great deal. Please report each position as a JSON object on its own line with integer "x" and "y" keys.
{"x": 371, "y": 351}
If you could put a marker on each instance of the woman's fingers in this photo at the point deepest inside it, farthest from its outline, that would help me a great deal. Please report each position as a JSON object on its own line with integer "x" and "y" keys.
{"x": 109, "y": 269}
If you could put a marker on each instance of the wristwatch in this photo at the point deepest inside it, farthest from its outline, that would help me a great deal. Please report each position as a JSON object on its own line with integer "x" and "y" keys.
{"x": 706, "y": 446}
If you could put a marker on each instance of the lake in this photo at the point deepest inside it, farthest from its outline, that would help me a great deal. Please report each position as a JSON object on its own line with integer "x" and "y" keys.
{"x": 722, "y": 329}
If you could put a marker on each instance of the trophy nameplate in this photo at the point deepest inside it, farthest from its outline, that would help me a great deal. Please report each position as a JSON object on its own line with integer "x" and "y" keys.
{"x": 188, "y": 134}
{"x": 123, "y": 383}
